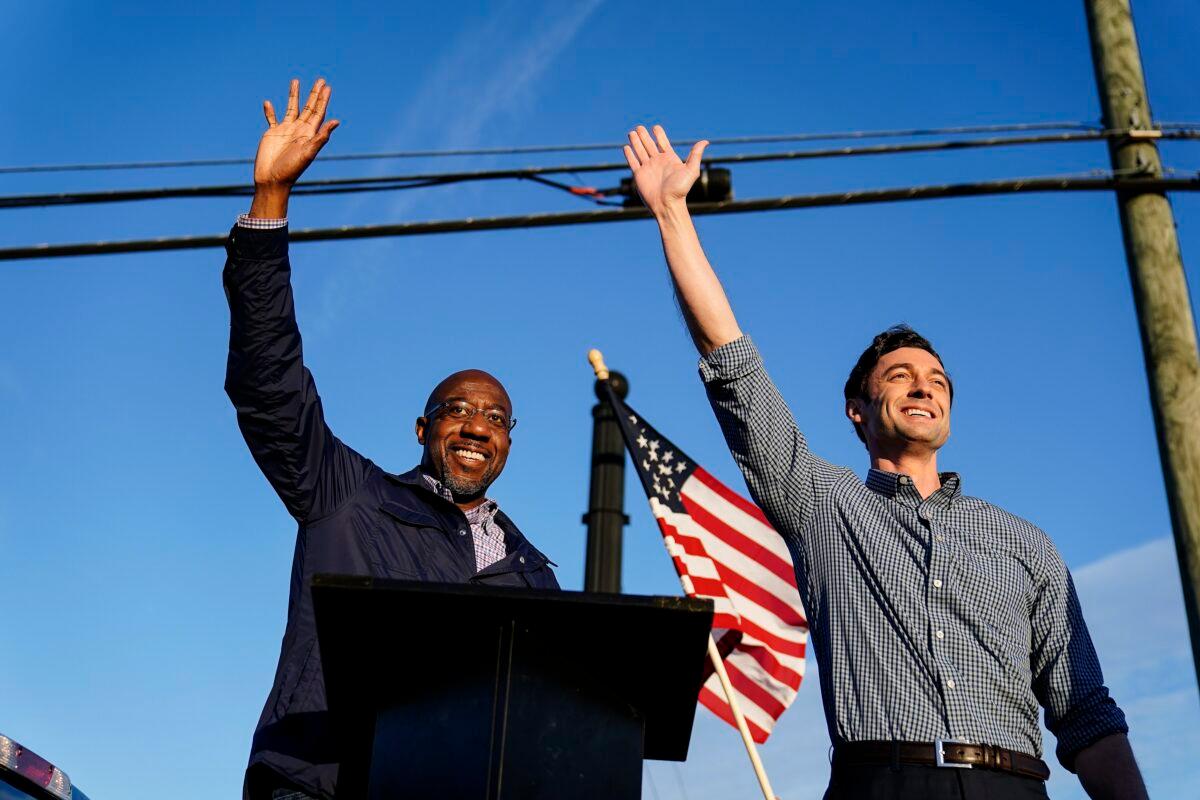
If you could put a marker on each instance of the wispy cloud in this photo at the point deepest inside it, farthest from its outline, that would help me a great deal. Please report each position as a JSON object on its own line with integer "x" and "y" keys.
{"x": 492, "y": 72}
{"x": 1133, "y": 603}
{"x": 486, "y": 80}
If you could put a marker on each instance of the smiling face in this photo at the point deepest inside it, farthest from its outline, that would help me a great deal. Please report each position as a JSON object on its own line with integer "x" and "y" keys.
{"x": 907, "y": 403}
{"x": 466, "y": 454}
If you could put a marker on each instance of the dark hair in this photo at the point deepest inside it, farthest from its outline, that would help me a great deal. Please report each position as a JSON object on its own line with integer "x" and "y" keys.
{"x": 893, "y": 338}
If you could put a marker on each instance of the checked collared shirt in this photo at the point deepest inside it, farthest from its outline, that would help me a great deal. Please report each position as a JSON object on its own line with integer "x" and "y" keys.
{"x": 486, "y": 534}
{"x": 944, "y": 617}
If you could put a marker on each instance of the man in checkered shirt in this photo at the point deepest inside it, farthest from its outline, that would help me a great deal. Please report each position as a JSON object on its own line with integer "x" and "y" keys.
{"x": 940, "y": 622}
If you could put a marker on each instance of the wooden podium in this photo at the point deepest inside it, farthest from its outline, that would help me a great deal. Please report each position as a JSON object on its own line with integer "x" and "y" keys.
{"x": 460, "y": 691}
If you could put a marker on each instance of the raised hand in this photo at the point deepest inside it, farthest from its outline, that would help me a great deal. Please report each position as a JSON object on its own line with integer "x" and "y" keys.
{"x": 288, "y": 147}
{"x": 662, "y": 179}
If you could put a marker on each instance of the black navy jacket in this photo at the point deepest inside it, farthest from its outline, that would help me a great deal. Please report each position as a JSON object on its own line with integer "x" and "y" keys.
{"x": 354, "y": 518}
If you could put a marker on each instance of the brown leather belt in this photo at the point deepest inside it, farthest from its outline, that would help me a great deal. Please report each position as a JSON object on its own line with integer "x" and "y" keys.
{"x": 941, "y": 753}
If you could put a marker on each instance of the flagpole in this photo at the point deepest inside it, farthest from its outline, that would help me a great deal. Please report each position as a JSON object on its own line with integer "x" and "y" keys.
{"x": 596, "y": 359}
{"x": 751, "y": 748}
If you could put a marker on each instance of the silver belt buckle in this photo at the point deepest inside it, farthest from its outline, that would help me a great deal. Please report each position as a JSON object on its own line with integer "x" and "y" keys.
{"x": 939, "y": 753}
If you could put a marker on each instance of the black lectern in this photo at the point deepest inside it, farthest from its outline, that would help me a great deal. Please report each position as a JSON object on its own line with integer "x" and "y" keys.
{"x": 452, "y": 691}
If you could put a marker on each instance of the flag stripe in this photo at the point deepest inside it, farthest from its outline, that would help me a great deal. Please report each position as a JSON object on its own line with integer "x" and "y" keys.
{"x": 753, "y": 714}
{"x": 749, "y": 667}
{"x": 724, "y": 555}
{"x": 786, "y": 614}
{"x": 760, "y": 617}
{"x": 698, "y": 566}
{"x": 724, "y": 612}
{"x": 772, "y": 665}
{"x": 739, "y": 541}
{"x": 753, "y": 606}
{"x": 781, "y": 613}
{"x": 717, "y": 705}
{"x": 731, "y": 496}
{"x": 752, "y": 691}
{"x": 784, "y": 646}
{"x": 696, "y": 539}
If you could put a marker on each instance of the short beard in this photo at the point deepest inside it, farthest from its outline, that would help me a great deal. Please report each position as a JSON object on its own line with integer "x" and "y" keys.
{"x": 463, "y": 488}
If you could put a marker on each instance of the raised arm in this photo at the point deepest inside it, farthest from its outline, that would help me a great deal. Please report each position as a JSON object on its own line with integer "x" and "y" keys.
{"x": 663, "y": 181}
{"x": 278, "y": 409}
{"x": 783, "y": 476}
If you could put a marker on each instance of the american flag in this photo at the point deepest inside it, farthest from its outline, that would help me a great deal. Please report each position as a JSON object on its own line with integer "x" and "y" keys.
{"x": 724, "y": 549}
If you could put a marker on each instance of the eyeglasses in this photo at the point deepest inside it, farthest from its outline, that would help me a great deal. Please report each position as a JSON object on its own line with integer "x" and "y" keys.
{"x": 463, "y": 411}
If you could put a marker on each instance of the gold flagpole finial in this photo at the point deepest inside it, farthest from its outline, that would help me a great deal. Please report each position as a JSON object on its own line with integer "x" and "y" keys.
{"x": 596, "y": 359}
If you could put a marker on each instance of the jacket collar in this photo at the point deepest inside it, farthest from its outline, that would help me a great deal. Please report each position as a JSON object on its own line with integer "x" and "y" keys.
{"x": 421, "y": 496}
{"x": 410, "y": 478}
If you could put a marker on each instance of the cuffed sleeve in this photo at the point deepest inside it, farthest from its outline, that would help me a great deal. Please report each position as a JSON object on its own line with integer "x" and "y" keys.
{"x": 1067, "y": 678}
{"x": 729, "y": 361}
{"x": 260, "y": 223}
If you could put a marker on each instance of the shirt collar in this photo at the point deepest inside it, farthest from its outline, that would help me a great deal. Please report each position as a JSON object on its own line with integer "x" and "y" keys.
{"x": 891, "y": 484}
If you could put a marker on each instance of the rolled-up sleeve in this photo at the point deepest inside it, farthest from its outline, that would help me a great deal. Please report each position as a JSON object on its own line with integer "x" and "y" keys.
{"x": 1067, "y": 678}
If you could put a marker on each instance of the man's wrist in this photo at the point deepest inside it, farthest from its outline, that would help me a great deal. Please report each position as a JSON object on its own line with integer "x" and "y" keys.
{"x": 270, "y": 201}
{"x": 672, "y": 213}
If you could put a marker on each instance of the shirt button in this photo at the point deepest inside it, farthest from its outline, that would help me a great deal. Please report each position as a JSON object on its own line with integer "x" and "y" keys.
{"x": 939, "y": 537}
{"x": 940, "y": 635}
{"x": 904, "y": 480}
{"x": 521, "y": 559}
{"x": 937, "y": 583}
{"x": 950, "y": 684}
{"x": 462, "y": 531}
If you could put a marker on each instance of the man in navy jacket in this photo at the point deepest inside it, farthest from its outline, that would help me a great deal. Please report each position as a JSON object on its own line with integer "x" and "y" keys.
{"x": 432, "y": 523}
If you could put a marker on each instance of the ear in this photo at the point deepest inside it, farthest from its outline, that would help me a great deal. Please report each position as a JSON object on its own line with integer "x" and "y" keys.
{"x": 422, "y": 422}
{"x": 854, "y": 411}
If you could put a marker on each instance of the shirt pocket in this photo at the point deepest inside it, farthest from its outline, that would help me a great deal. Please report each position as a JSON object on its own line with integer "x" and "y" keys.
{"x": 993, "y": 588}
{"x": 992, "y": 580}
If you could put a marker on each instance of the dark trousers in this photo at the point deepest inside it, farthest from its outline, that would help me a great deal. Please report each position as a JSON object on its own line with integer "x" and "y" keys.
{"x": 915, "y": 782}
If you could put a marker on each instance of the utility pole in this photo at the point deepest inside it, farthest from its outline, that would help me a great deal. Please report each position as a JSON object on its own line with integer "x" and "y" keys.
{"x": 1159, "y": 287}
{"x": 605, "y": 516}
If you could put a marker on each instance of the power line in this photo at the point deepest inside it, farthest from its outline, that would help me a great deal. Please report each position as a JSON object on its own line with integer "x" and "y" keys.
{"x": 569, "y": 148}
{"x": 1010, "y": 186}
{"x": 396, "y": 182}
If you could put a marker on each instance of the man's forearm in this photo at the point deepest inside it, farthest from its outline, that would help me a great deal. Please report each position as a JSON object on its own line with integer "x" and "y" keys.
{"x": 702, "y": 299}
{"x": 270, "y": 202}
{"x": 1108, "y": 770}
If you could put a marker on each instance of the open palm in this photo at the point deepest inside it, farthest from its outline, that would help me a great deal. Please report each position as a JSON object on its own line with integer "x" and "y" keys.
{"x": 661, "y": 177}
{"x": 288, "y": 147}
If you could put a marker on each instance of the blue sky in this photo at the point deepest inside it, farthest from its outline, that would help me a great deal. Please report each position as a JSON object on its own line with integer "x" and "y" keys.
{"x": 145, "y": 560}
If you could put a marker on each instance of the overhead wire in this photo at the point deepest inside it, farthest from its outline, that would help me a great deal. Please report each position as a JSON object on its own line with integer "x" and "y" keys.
{"x": 397, "y": 182}
{"x": 570, "y": 148}
{"x": 1108, "y": 182}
